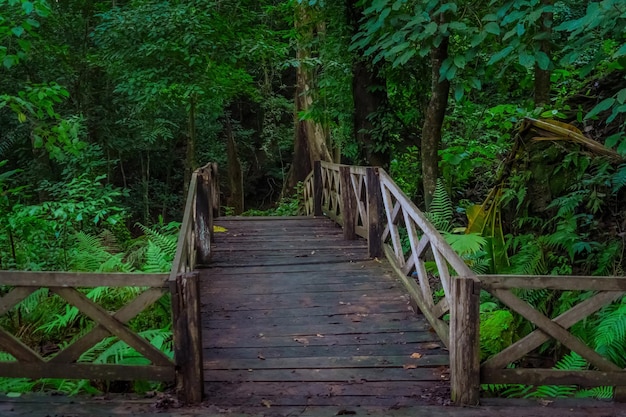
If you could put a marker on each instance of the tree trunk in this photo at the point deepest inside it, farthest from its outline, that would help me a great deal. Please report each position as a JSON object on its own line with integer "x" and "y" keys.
{"x": 542, "y": 77}
{"x": 435, "y": 113}
{"x": 367, "y": 94}
{"x": 235, "y": 174}
{"x": 310, "y": 138}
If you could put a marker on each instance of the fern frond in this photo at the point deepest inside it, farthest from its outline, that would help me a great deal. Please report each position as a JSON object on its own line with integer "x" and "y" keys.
{"x": 618, "y": 180}
{"x": 610, "y": 336}
{"x": 441, "y": 212}
{"x": 465, "y": 244}
{"x": 166, "y": 242}
{"x": 570, "y": 362}
{"x": 567, "y": 204}
{"x": 602, "y": 393}
{"x": 156, "y": 259}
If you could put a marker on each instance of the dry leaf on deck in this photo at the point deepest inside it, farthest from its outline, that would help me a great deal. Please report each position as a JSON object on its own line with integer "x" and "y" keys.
{"x": 266, "y": 403}
{"x": 302, "y": 340}
{"x": 416, "y": 355}
{"x": 409, "y": 366}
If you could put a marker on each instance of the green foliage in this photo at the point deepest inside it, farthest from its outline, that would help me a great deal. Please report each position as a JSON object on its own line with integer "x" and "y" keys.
{"x": 497, "y": 329}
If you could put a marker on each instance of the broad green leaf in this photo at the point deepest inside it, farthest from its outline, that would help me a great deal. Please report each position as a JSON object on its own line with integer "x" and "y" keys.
{"x": 430, "y": 29}
{"x": 451, "y": 73}
{"x": 404, "y": 58}
{"x": 490, "y": 18}
{"x": 500, "y": 55}
{"x": 493, "y": 28}
{"x": 542, "y": 60}
{"x": 621, "y": 96}
{"x": 397, "y": 5}
{"x": 379, "y": 5}
{"x": 18, "y": 31}
{"x": 526, "y": 59}
{"x": 458, "y": 26}
{"x": 620, "y": 52}
{"x": 8, "y": 61}
{"x": 617, "y": 110}
{"x": 459, "y": 91}
{"x": 445, "y": 66}
{"x": 384, "y": 14}
{"x": 28, "y": 7}
{"x": 478, "y": 39}
{"x": 459, "y": 61}
{"x": 600, "y": 107}
{"x": 612, "y": 140}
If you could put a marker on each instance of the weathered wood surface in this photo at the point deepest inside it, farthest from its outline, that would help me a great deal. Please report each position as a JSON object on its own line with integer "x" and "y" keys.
{"x": 294, "y": 315}
{"x": 34, "y": 405}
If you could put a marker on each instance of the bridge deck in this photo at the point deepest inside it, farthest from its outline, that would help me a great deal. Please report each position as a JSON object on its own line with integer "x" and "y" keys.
{"x": 295, "y": 316}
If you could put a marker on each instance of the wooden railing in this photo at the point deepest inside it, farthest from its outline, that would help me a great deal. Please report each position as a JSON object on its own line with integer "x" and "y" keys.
{"x": 367, "y": 199}
{"x": 194, "y": 247}
{"x": 66, "y": 363}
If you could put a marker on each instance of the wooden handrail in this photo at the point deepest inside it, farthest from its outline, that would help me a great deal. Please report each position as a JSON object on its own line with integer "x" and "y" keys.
{"x": 367, "y": 202}
{"x": 64, "y": 364}
{"x": 193, "y": 248}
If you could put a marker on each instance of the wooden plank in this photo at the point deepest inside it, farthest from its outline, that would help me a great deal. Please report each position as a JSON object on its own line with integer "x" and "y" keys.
{"x": 180, "y": 263}
{"x": 17, "y": 349}
{"x": 422, "y": 275}
{"x": 310, "y": 311}
{"x": 317, "y": 188}
{"x": 291, "y": 260}
{"x": 279, "y": 287}
{"x": 188, "y": 339}
{"x": 371, "y": 319}
{"x": 374, "y": 213}
{"x": 464, "y": 341}
{"x": 278, "y": 352}
{"x": 330, "y": 375}
{"x": 553, "y": 377}
{"x": 87, "y": 371}
{"x": 325, "y": 330}
{"x": 338, "y": 389}
{"x": 124, "y": 315}
{"x": 537, "y": 337}
{"x": 442, "y": 329}
{"x": 203, "y": 212}
{"x": 376, "y": 272}
{"x": 257, "y": 340}
{"x": 554, "y": 330}
{"x": 80, "y": 279}
{"x": 427, "y": 361}
{"x": 391, "y": 224}
{"x": 99, "y": 315}
{"x": 551, "y": 282}
{"x": 330, "y": 269}
{"x": 348, "y": 204}
{"x": 14, "y": 297}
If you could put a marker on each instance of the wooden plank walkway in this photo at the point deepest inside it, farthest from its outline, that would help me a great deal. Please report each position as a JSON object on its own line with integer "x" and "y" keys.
{"x": 296, "y": 316}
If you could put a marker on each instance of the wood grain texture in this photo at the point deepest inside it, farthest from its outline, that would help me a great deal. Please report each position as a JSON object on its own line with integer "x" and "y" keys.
{"x": 271, "y": 318}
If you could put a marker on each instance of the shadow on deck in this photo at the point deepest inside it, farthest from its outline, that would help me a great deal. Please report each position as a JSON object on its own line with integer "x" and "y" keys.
{"x": 294, "y": 315}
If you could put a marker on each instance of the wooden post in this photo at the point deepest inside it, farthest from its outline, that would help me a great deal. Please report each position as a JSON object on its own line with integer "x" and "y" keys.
{"x": 464, "y": 342}
{"x": 188, "y": 338}
{"x": 203, "y": 217}
{"x": 348, "y": 203}
{"x": 215, "y": 190}
{"x": 317, "y": 188}
{"x": 374, "y": 213}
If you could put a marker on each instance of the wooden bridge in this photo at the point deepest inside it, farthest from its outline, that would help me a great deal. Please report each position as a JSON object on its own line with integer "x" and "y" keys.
{"x": 335, "y": 308}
